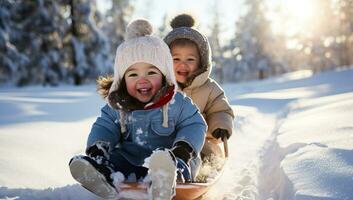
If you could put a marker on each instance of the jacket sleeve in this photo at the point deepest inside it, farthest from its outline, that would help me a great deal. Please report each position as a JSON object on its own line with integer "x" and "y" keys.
{"x": 190, "y": 126}
{"x": 106, "y": 129}
{"x": 219, "y": 113}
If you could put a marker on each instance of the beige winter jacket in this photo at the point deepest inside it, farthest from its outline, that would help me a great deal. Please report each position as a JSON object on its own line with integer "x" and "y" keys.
{"x": 212, "y": 103}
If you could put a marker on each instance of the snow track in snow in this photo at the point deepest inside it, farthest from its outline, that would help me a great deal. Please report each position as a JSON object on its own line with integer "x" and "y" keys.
{"x": 241, "y": 179}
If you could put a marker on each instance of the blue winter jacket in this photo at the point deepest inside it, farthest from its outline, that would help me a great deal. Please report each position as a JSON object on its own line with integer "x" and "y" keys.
{"x": 145, "y": 132}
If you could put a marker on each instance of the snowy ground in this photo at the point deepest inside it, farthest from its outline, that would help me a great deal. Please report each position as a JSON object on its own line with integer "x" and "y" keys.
{"x": 293, "y": 139}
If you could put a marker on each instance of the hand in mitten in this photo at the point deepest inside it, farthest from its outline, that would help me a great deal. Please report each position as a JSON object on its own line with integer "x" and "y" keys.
{"x": 220, "y": 133}
{"x": 183, "y": 171}
{"x": 183, "y": 153}
{"x": 99, "y": 149}
{"x": 99, "y": 152}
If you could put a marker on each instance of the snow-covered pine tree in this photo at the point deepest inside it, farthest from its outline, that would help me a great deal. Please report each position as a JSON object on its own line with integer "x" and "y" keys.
{"x": 89, "y": 47}
{"x": 231, "y": 57}
{"x": 164, "y": 28}
{"x": 46, "y": 27}
{"x": 214, "y": 39}
{"x": 322, "y": 52}
{"x": 116, "y": 20}
{"x": 33, "y": 32}
{"x": 314, "y": 43}
{"x": 12, "y": 62}
{"x": 253, "y": 35}
{"x": 345, "y": 8}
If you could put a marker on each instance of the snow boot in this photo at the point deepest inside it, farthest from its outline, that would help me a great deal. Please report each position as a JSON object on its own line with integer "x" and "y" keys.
{"x": 162, "y": 174}
{"x": 93, "y": 176}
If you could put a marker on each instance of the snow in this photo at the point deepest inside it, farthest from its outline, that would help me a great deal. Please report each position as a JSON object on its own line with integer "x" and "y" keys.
{"x": 118, "y": 178}
{"x": 139, "y": 141}
{"x": 293, "y": 139}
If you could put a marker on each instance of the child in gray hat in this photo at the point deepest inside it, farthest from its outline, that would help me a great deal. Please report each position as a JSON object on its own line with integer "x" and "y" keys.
{"x": 192, "y": 67}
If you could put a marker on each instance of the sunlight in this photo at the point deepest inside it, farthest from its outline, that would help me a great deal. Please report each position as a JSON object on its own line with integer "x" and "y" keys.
{"x": 302, "y": 14}
{"x": 292, "y": 16}
{"x": 301, "y": 10}
{"x": 104, "y": 5}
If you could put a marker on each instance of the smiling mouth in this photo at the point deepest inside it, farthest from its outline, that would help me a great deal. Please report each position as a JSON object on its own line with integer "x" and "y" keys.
{"x": 144, "y": 91}
{"x": 183, "y": 73}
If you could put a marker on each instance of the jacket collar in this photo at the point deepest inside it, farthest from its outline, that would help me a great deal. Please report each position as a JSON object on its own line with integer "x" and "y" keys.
{"x": 198, "y": 80}
{"x": 162, "y": 98}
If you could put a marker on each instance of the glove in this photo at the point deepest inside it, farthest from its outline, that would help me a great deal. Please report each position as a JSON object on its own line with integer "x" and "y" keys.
{"x": 183, "y": 153}
{"x": 183, "y": 171}
{"x": 220, "y": 133}
{"x": 98, "y": 149}
{"x": 99, "y": 152}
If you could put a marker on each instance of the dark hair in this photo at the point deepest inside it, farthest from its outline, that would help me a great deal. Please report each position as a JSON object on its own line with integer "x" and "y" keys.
{"x": 183, "y": 42}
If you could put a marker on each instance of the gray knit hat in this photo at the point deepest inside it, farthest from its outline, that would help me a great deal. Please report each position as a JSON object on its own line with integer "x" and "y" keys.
{"x": 183, "y": 29}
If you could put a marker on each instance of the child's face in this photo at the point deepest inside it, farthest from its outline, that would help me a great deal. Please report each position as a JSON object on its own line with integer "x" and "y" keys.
{"x": 143, "y": 81}
{"x": 186, "y": 60}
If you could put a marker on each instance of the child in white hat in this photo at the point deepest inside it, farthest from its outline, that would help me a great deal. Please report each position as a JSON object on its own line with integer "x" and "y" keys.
{"x": 144, "y": 116}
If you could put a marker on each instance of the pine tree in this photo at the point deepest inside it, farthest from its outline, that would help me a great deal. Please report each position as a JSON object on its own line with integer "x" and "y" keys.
{"x": 164, "y": 27}
{"x": 116, "y": 19}
{"x": 48, "y": 42}
{"x": 321, "y": 56}
{"x": 214, "y": 38}
{"x": 47, "y": 28}
{"x": 34, "y": 34}
{"x": 253, "y": 35}
{"x": 345, "y": 38}
{"x": 13, "y": 63}
{"x": 89, "y": 47}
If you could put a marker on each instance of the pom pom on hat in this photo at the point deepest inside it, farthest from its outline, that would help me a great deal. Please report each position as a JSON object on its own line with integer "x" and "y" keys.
{"x": 138, "y": 28}
{"x": 182, "y": 20}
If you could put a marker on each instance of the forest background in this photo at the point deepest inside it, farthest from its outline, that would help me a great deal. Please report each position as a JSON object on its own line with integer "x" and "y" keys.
{"x": 44, "y": 42}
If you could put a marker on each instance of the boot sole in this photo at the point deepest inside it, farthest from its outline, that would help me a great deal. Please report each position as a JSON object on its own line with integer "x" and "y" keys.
{"x": 91, "y": 179}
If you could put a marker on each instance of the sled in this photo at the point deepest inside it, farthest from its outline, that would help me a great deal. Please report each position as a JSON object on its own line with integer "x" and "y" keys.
{"x": 184, "y": 191}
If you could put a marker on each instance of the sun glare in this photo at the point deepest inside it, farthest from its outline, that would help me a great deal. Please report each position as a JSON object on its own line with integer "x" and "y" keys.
{"x": 294, "y": 16}
{"x": 301, "y": 13}
{"x": 301, "y": 10}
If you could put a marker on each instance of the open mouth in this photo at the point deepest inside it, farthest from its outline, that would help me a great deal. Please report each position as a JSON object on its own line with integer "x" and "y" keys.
{"x": 144, "y": 91}
{"x": 182, "y": 73}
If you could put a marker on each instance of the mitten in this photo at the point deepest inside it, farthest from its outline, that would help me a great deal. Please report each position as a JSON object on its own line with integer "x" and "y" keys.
{"x": 98, "y": 150}
{"x": 220, "y": 133}
{"x": 183, "y": 153}
{"x": 183, "y": 171}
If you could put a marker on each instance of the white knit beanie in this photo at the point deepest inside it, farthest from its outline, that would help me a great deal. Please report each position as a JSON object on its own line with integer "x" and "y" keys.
{"x": 141, "y": 46}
